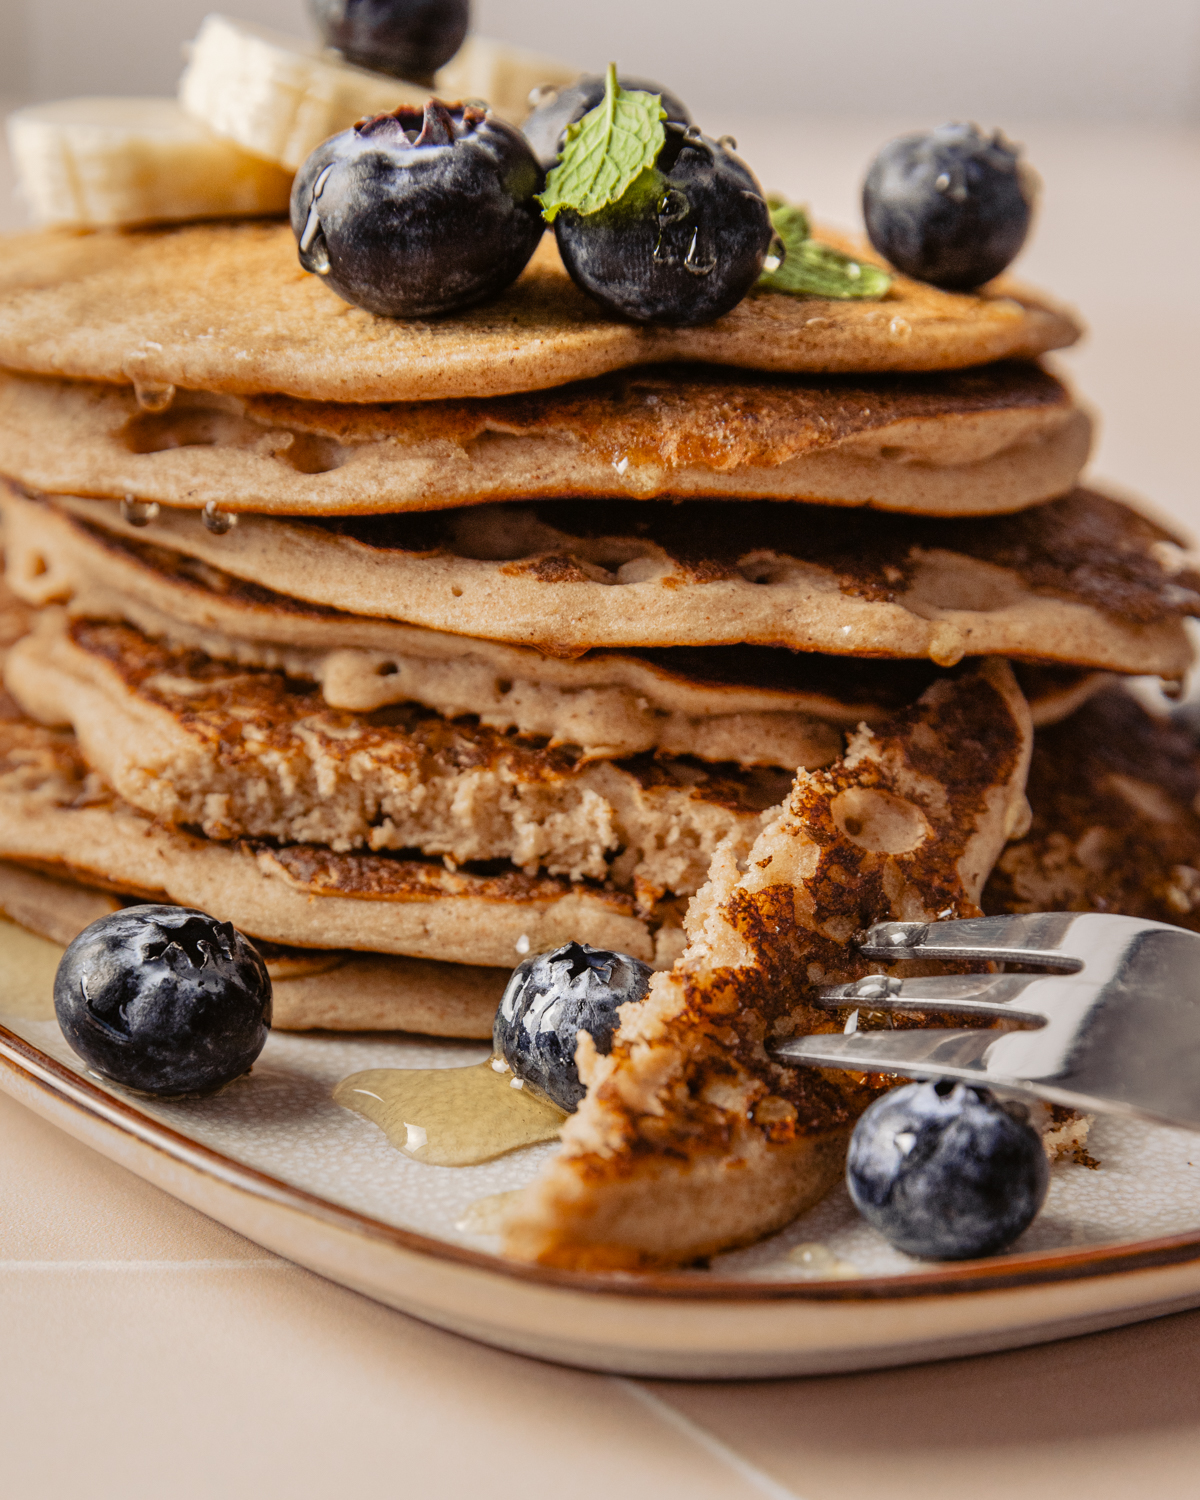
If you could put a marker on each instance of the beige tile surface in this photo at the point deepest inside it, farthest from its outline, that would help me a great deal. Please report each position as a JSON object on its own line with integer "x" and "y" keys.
{"x": 276, "y": 1383}
{"x": 1110, "y": 1417}
{"x": 60, "y": 1202}
{"x": 145, "y": 1351}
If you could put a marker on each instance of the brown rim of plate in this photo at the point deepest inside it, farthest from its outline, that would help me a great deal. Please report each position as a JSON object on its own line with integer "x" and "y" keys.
{"x": 997, "y": 1274}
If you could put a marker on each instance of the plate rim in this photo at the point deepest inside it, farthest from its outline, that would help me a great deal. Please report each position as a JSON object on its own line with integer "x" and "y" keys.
{"x": 1031, "y": 1268}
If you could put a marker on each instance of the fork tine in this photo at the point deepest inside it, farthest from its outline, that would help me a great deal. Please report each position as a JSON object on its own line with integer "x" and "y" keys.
{"x": 1041, "y": 938}
{"x": 972, "y": 994}
{"x": 912, "y": 1054}
{"x": 1121, "y": 1012}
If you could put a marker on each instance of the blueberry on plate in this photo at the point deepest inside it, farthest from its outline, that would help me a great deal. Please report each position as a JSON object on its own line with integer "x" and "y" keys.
{"x": 682, "y": 247}
{"x": 546, "y": 127}
{"x": 951, "y": 207}
{"x": 945, "y": 1171}
{"x": 550, "y": 999}
{"x": 164, "y": 999}
{"x": 413, "y": 213}
{"x": 406, "y": 38}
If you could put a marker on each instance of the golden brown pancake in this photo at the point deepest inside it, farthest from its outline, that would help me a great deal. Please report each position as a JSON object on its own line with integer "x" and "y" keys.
{"x": 1084, "y": 580}
{"x": 692, "y": 1139}
{"x": 250, "y": 754}
{"x": 752, "y": 705}
{"x": 54, "y": 909}
{"x": 964, "y": 443}
{"x": 226, "y": 307}
{"x": 57, "y": 815}
{"x": 1116, "y": 823}
{"x": 312, "y": 989}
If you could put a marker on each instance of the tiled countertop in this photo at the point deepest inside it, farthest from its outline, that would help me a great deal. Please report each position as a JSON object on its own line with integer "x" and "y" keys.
{"x": 147, "y": 1352}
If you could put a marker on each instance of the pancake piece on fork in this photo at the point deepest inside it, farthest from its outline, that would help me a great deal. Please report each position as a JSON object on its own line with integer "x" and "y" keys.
{"x": 691, "y": 1139}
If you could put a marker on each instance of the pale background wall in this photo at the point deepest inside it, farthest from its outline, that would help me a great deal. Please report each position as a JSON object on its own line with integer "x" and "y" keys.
{"x": 1136, "y": 60}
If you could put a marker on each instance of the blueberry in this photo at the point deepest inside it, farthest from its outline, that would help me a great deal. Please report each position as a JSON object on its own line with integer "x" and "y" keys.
{"x": 406, "y": 38}
{"x": 952, "y": 207}
{"x": 547, "y": 125}
{"x": 412, "y": 214}
{"x": 945, "y": 1171}
{"x": 164, "y": 999}
{"x": 550, "y": 999}
{"x": 683, "y": 246}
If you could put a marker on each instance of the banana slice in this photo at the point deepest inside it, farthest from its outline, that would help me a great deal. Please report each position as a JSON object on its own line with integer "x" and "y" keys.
{"x": 279, "y": 97}
{"x": 276, "y": 96}
{"x": 505, "y": 76}
{"x": 94, "y": 163}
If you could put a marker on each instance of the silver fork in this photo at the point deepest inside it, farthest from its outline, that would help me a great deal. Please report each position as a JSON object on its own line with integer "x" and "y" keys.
{"x": 1114, "y": 1027}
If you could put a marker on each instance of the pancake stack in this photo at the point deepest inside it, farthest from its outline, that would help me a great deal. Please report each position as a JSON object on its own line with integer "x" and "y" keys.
{"x": 414, "y": 648}
{"x": 444, "y": 643}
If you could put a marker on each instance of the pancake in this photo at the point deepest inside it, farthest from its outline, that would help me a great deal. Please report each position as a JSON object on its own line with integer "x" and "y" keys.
{"x": 965, "y": 443}
{"x": 752, "y": 705}
{"x": 239, "y": 754}
{"x": 226, "y": 307}
{"x": 56, "y": 815}
{"x": 312, "y": 990}
{"x": 16, "y": 619}
{"x": 691, "y": 1139}
{"x": 378, "y": 992}
{"x": 1116, "y": 824}
{"x": 1083, "y": 580}
{"x": 54, "y": 909}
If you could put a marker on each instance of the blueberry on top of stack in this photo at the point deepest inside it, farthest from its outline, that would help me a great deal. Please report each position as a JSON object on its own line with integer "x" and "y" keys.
{"x": 421, "y": 591}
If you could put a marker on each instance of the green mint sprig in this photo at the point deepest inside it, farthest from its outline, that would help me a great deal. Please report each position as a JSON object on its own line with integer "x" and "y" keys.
{"x": 811, "y": 269}
{"x": 606, "y": 151}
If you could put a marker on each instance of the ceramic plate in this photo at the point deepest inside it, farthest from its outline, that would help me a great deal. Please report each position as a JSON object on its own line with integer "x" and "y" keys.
{"x": 274, "y": 1158}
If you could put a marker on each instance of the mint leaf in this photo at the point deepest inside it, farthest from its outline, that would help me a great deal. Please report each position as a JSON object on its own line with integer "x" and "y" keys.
{"x": 790, "y": 221}
{"x": 810, "y": 269}
{"x": 606, "y": 151}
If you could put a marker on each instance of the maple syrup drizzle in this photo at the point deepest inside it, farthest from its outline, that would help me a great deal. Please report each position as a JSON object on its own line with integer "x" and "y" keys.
{"x": 451, "y": 1117}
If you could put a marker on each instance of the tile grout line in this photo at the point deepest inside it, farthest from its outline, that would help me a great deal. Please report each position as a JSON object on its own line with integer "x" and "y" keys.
{"x": 751, "y": 1473}
{"x": 260, "y": 1264}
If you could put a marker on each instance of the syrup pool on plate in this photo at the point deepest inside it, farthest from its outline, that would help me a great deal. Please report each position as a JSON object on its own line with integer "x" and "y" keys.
{"x": 452, "y": 1117}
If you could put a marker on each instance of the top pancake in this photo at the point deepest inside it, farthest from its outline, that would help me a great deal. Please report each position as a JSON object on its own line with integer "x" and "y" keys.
{"x": 226, "y": 307}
